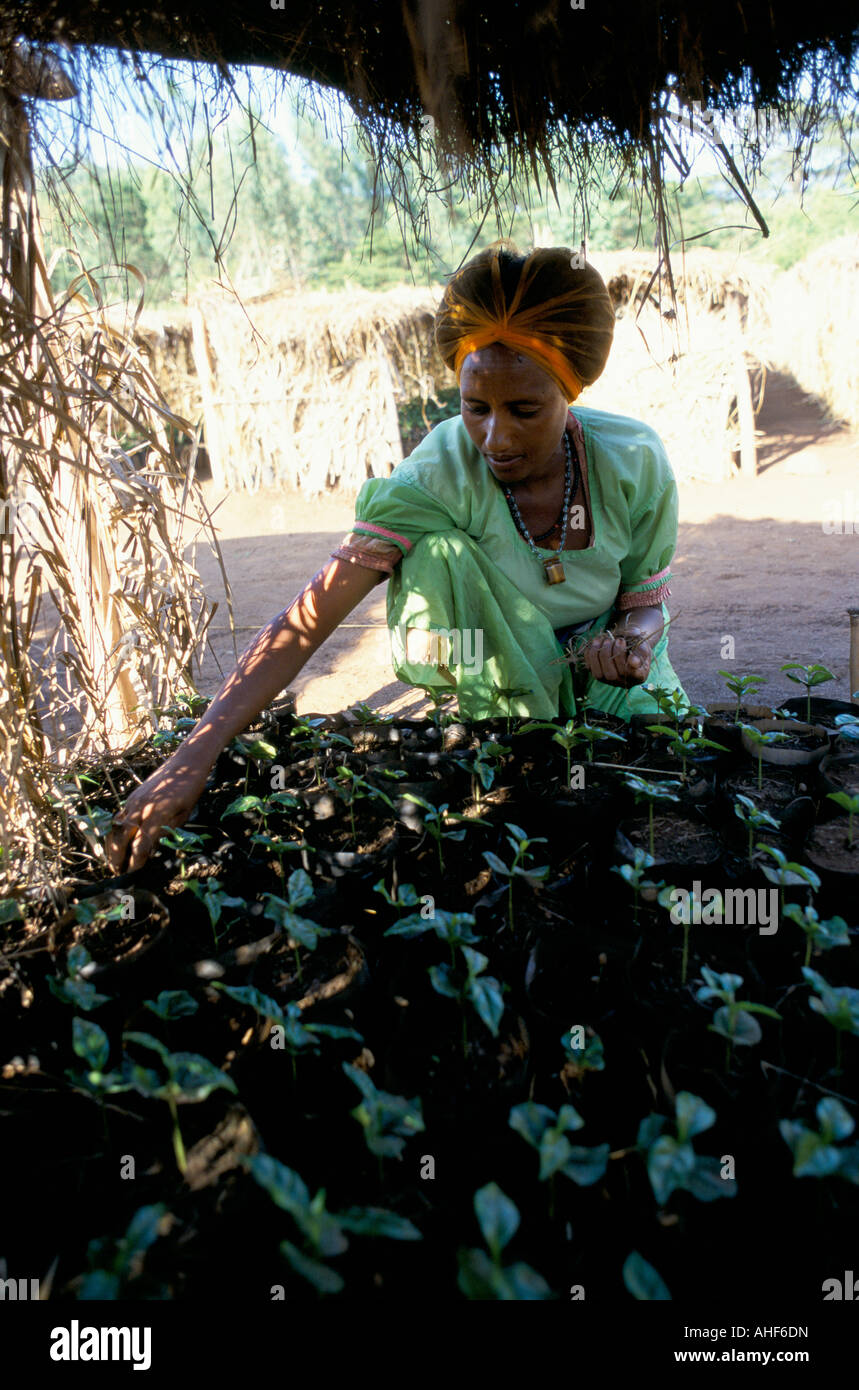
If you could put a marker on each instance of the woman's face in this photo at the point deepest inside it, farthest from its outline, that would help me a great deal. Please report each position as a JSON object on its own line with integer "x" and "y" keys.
{"x": 515, "y": 415}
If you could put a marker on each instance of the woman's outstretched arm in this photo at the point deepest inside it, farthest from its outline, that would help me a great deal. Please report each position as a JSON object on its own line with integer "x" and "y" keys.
{"x": 273, "y": 659}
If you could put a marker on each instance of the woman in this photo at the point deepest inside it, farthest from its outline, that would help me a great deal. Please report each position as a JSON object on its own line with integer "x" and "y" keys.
{"x": 511, "y": 529}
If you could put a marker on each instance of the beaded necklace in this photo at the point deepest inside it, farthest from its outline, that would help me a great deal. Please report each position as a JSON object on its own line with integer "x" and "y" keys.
{"x": 553, "y": 566}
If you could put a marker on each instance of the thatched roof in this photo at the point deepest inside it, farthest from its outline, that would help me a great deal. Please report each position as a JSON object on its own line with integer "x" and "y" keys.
{"x": 549, "y": 88}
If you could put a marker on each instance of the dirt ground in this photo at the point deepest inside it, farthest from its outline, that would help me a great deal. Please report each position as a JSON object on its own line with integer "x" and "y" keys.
{"x": 754, "y": 563}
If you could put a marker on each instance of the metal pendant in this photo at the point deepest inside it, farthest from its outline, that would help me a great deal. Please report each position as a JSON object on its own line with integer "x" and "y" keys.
{"x": 554, "y": 572}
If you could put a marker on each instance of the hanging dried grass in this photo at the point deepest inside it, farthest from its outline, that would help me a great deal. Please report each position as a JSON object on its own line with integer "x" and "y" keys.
{"x": 88, "y": 537}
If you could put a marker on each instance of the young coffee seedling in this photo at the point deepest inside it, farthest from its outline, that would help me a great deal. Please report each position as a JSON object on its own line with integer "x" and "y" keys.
{"x": 302, "y": 931}
{"x": 838, "y": 1004}
{"x": 435, "y": 819}
{"x": 322, "y": 1232}
{"x": 818, "y": 1153}
{"x": 786, "y": 873}
{"x": 580, "y": 1060}
{"x": 351, "y": 786}
{"x": 312, "y": 734}
{"x": 572, "y": 734}
{"x": 547, "y": 1133}
{"x": 809, "y": 676}
{"x": 742, "y": 687}
{"x": 387, "y": 1121}
{"x": 482, "y": 1276}
{"x": 754, "y": 819}
{"x": 819, "y": 936}
{"x": 76, "y": 989}
{"x": 684, "y": 743}
{"x": 369, "y": 718}
{"x": 673, "y": 1163}
{"x": 115, "y": 1264}
{"x": 520, "y": 844}
{"x": 508, "y": 694}
{"x": 634, "y": 875}
{"x": 651, "y": 792}
{"x": 214, "y": 899}
{"x": 484, "y": 992}
{"x": 441, "y": 713}
{"x": 483, "y": 766}
{"x": 295, "y": 1035}
{"x": 256, "y": 750}
{"x": 734, "y": 1019}
{"x": 686, "y": 907}
{"x": 189, "y": 1078}
{"x": 674, "y": 704}
{"x": 92, "y": 1045}
{"x": 452, "y": 927}
{"x": 762, "y": 739}
{"x": 848, "y": 803}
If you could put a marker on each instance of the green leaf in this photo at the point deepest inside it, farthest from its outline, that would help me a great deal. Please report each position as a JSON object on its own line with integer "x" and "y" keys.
{"x": 497, "y": 865}
{"x": 283, "y": 1185}
{"x": 585, "y": 1166}
{"x": 90, "y": 1043}
{"x": 643, "y": 1281}
{"x": 334, "y": 1030}
{"x": 485, "y": 995}
{"x": 530, "y": 1120}
{"x": 322, "y": 1278}
{"x": 143, "y": 1230}
{"x": 497, "y": 1216}
{"x": 649, "y": 1130}
{"x": 196, "y": 1077}
{"x": 442, "y": 983}
{"x": 172, "y": 1003}
{"x": 151, "y": 1044}
{"x": 693, "y": 1115}
{"x": 361, "y": 1079}
{"x": 475, "y": 961}
{"x": 81, "y": 993}
{"x": 740, "y": 1027}
{"x": 411, "y": 926}
{"x": 306, "y": 932}
{"x": 375, "y": 1221}
{"x": 241, "y": 805}
{"x": 299, "y": 888}
{"x": 525, "y": 1283}
{"x": 836, "y": 1122}
{"x": 669, "y": 1164}
{"x": 479, "y": 1278}
{"x": 555, "y": 1150}
{"x": 705, "y": 1181}
{"x": 10, "y": 911}
{"x": 262, "y": 1004}
{"x": 261, "y": 750}
{"x": 517, "y": 831}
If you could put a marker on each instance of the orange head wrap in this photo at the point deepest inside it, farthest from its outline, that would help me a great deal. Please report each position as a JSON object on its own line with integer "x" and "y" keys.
{"x": 559, "y": 316}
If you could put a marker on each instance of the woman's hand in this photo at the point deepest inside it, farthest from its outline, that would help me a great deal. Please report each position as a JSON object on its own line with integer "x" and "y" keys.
{"x": 164, "y": 800}
{"x": 623, "y": 661}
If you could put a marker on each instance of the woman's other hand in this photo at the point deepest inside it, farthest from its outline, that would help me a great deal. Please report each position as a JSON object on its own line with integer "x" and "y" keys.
{"x": 164, "y": 800}
{"x": 623, "y": 661}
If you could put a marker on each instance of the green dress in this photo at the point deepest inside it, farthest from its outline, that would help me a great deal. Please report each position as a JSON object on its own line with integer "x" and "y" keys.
{"x": 470, "y": 577}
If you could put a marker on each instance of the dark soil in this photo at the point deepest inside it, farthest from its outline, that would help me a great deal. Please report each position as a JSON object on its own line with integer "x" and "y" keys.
{"x": 577, "y": 947}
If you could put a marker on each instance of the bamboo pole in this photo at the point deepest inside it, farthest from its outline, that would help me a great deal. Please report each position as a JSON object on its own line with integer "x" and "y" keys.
{"x": 743, "y": 391}
{"x": 202, "y": 350}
